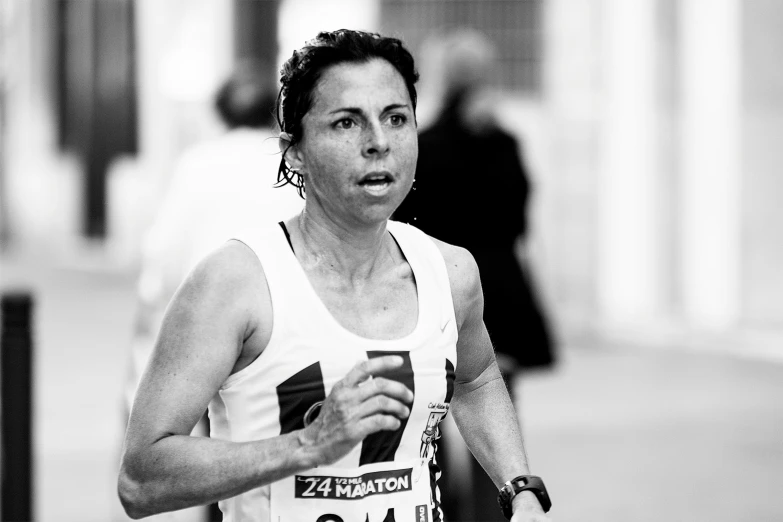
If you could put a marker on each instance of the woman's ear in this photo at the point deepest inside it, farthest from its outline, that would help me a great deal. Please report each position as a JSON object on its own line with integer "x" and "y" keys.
{"x": 284, "y": 141}
{"x": 289, "y": 150}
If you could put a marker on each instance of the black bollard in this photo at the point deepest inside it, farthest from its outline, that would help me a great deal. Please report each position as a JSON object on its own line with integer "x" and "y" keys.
{"x": 16, "y": 345}
{"x": 214, "y": 515}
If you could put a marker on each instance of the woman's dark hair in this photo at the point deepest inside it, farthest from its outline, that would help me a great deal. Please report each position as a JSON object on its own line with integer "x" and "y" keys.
{"x": 302, "y": 71}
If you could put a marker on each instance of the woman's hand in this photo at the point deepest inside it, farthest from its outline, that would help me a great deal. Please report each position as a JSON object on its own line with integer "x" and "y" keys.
{"x": 359, "y": 405}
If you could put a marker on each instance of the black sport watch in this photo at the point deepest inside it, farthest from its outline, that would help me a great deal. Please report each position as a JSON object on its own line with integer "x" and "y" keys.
{"x": 523, "y": 483}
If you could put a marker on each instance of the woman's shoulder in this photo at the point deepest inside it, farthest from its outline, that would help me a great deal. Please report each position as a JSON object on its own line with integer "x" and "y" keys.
{"x": 228, "y": 285}
{"x": 460, "y": 264}
{"x": 228, "y": 273}
{"x": 233, "y": 259}
{"x": 464, "y": 277}
{"x": 459, "y": 261}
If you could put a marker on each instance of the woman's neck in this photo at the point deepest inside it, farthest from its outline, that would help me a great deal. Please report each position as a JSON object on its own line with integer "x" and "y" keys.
{"x": 354, "y": 253}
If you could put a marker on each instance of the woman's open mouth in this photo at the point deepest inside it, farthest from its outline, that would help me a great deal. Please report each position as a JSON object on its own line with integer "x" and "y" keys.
{"x": 376, "y": 182}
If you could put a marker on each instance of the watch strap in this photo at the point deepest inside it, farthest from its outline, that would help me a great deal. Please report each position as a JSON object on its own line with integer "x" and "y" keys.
{"x": 519, "y": 484}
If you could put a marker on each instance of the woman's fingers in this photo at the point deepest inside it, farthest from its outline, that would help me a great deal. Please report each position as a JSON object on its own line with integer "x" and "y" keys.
{"x": 383, "y": 404}
{"x": 360, "y": 404}
{"x": 371, "y": 368}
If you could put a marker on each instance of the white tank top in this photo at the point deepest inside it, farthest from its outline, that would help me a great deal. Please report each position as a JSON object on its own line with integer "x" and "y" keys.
{"x": 390, "y": 476}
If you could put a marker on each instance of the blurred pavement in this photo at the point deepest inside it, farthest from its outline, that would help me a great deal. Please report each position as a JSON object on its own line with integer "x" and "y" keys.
{"x": 620, "y": 434}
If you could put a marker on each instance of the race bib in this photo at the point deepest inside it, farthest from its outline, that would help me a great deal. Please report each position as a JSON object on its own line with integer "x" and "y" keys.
{"x": 380, "y": 492}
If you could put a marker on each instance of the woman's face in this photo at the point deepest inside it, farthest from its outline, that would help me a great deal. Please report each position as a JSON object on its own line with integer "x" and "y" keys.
{"x": 359, "y": 145}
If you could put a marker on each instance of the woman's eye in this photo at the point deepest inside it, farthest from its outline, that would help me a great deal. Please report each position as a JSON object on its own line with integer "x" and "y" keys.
{"x": 345, "y": 124}
{"x": 397, "y": 119}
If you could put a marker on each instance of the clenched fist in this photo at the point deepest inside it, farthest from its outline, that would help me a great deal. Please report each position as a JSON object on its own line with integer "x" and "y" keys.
{"x": 360, "y": 404}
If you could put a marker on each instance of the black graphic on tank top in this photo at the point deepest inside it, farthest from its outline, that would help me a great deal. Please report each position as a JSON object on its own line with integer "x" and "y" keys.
{"x": 381, "y": 446}
{"x": 297, "y": 394}
{"x": 449, "y": 381}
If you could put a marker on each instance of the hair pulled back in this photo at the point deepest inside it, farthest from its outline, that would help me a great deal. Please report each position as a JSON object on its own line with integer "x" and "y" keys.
{"x": 301, "y": 73}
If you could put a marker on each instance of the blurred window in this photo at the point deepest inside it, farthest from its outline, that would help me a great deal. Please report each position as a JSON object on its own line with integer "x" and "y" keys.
{"x": 514, "y": 26}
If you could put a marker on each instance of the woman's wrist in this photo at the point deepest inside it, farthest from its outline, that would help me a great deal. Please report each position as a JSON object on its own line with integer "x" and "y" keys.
{"x": 526, "y": 501}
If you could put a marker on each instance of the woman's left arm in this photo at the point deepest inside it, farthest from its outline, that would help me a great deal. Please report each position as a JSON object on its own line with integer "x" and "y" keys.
{"x": 481, "y": 404}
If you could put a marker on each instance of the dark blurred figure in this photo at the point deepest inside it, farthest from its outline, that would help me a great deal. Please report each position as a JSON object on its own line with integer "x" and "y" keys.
{"x": 472, "y": 190}
{"x": 218, "y": 188}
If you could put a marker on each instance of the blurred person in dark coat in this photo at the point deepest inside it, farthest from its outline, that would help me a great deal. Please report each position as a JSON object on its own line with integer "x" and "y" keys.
{"x": 472, "y": 189}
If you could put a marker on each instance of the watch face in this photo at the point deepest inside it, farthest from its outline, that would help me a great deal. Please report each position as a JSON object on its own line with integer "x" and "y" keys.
{"x": 504, "y": 499}
{"x": 507, "y": 491}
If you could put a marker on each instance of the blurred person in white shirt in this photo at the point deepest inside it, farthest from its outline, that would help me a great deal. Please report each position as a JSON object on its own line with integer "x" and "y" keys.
{"x": 218, "y": 188}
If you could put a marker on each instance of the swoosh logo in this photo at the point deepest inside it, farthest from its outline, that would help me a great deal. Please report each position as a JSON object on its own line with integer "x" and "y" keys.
{"x": 443, "y": 328}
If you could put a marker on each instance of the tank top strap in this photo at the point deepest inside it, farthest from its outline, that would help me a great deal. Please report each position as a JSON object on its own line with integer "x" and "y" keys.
{"x": 283, "y": 274}
{"x": 429, "y": 266}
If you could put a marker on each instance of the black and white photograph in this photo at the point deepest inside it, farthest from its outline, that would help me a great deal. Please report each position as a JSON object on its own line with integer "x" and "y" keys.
{"x": 391, "y": 260}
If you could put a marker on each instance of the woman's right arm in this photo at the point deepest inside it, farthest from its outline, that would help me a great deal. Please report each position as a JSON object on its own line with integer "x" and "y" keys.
{"x": 209, "y": 320}
{"x": 221, "y": 309}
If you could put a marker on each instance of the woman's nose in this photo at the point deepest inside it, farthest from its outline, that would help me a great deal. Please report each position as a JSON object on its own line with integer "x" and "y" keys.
{"x": 377, "y": 142}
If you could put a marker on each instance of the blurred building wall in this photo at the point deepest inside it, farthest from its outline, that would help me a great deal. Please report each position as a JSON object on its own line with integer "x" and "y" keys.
{"x": 184, "y": 50}
{"x": 96, "y": 94}
{"x": 651, "y": 127}
{"x": 629, "y": 250}
{"x": 662, "y": 115}
{"x": 301, "y": 20}
{"x": 572, "y": 99}
{"x": 709, "y": 168}
{"x": 514, "y": 27}
{"x": 40, "y": 185}
{"x": 761, "y": 131}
